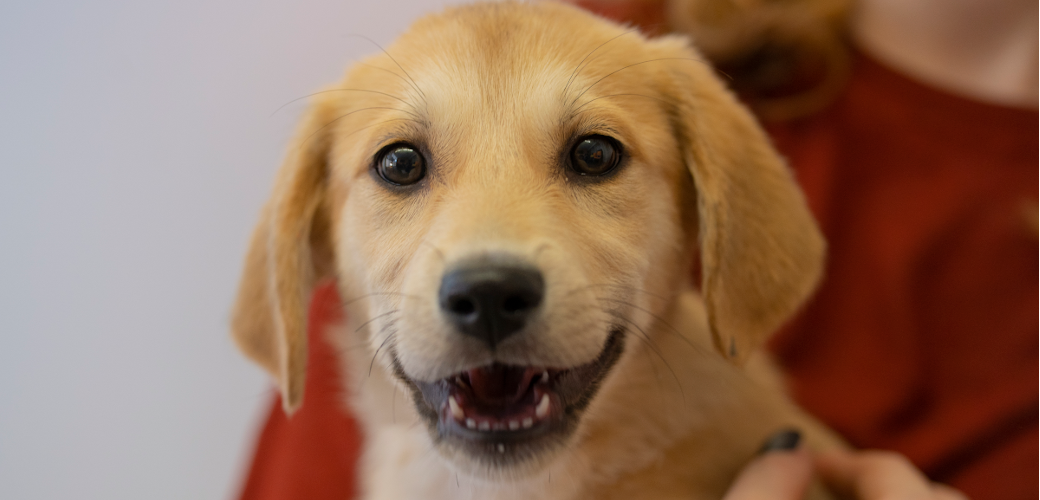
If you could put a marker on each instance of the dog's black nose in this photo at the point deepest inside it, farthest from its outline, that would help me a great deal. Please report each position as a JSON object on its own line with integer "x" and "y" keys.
{"x": 491, "y": 301}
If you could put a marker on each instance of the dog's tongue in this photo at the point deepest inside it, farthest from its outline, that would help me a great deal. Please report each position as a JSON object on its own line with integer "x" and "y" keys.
{"x": 500, "y": 384}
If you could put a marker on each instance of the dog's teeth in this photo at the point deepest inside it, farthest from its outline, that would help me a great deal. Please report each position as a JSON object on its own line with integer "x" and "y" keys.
{"x": 484, "y": 426}
{"x": 498, "y": 427}
{"x": 472, "y": 424}
{"x": 528, "y": 422}
{"x": 545, "y": 377}
{"x": 501, "y": 448}
{"x": 514, "y": 425}
{"x": 456, "y": 411}
{"x": 542, "y": 410}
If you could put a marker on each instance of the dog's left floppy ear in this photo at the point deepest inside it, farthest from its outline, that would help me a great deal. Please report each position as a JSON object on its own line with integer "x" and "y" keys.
{"x": 761, "y": 252}
{"x": 289, "y": 252}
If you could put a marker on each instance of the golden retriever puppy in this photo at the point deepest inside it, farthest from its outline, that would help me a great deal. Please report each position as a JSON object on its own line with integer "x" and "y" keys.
{"x": 513, "y": 199}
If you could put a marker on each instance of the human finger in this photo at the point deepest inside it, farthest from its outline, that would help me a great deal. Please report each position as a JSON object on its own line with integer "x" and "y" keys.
{"x": 874, "y": 475}
{"x": 781, "y": 471}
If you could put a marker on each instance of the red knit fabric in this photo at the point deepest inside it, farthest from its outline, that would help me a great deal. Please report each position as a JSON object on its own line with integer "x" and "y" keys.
{"x": 923, "y": 337}
{"x": 313, "y": 454}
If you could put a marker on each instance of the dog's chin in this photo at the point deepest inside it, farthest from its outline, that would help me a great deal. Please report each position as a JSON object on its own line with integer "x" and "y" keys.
{"x": 497, "y": 417}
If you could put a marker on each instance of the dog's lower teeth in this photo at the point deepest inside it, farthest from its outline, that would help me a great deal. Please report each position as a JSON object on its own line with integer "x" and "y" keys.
{"x": 542, "y": 410}
{"x": 484, "y": 426}
{"x": 456, "y": 410}
{"x": 472, "y": 424}
{"x": 514, "y": 425}
{"x": 528, "y": 422}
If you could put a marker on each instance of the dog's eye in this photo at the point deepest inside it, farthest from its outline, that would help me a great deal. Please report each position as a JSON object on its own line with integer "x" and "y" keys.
{"x": 401, "y": 164}
{"x": 595, "y": 155}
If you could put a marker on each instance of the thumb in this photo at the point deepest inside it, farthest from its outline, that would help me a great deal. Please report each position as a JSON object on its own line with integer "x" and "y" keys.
{"x": 781, "y": 471}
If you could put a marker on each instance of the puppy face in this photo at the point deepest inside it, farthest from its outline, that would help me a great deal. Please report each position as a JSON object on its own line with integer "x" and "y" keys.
{"x": 505, "y": 202}
{"x": 504, "y": 219}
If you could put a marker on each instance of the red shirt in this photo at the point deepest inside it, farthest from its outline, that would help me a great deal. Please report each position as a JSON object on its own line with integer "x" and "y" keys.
{"x": 312, "y": 455}
{"x": 923, "y": 337}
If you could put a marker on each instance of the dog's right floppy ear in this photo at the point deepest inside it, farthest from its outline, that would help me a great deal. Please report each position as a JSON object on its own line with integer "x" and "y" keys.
{"x": 761, "y": 252}
{"x": 287, "y": 254}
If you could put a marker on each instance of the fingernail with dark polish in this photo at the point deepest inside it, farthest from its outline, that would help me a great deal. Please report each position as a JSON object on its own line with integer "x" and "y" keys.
{"x": 785, "y": 440}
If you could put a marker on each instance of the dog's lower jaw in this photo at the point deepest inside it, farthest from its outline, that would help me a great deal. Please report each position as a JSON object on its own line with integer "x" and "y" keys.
{"x": 402, "y": 466}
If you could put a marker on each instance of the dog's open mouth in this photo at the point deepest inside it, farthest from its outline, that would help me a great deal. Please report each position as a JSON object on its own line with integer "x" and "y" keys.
{"x": 501, "y": 398}
{"x": 506, "y": 413}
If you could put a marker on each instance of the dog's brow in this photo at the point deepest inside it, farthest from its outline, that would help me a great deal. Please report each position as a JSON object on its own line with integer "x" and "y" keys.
{"x": 590, "y": 101}
{"x": 581, "y": 64}
{"x": 633, "y": 65}
{"x": 412, "y": 81}
{"x": 345, "y": 90}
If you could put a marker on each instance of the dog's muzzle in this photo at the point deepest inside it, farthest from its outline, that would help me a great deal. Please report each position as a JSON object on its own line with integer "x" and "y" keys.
{"x": 504, "y": 414}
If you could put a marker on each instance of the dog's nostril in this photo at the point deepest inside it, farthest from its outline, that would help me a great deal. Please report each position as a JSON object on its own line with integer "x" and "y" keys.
{"x": 462, "y": 305}
{"x": 515, "y": 303}
{"x": 491, "y": 301}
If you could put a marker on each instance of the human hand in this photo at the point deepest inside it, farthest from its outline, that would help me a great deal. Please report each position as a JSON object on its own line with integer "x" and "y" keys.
{"x": 876, "y": 475}
{"x": 782, "y": 471}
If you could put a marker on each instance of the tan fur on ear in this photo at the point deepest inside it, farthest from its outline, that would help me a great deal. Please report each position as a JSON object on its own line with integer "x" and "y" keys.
{"x": 269, "y": 321}
{"x": 761, "y": 251}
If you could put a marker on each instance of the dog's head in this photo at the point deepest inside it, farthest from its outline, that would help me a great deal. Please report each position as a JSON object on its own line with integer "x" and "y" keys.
{"x": 504, "y": 201}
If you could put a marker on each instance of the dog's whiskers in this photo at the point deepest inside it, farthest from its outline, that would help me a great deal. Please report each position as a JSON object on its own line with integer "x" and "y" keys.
{"x": 323, "y": 127}
{"x": 671, "y": 329}
{"x": 411, "y": 80}
{"x": 389, "y": 336}
{"x": 581, "y": 64}
{"x": 590, "y": 101}
{"x": 373, "y": 318}
{"x": 631, "y": 66}
{"x": 653, "y": 347}
{"x": 347, "y": 90}
{"x": 394, "y": 294}
{"x": 417, "y": 122}
{"x": 403, "y": 79}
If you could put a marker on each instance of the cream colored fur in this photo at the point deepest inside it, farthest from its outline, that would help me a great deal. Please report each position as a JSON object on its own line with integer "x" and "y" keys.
{"x": 493, "y": 92}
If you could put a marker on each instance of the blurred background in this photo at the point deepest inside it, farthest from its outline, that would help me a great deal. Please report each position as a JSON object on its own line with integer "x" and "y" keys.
{"x": 137, "y": 144}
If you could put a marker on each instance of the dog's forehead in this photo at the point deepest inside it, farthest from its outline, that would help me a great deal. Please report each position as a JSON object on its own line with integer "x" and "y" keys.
{"x": 510, "y": 50}
{"x": 493, "y": 97}
{"x": 499, "y": 63}
{"x": 509, "y": 73}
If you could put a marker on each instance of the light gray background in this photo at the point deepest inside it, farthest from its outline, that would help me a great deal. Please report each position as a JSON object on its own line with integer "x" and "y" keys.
{"x": 136, "y": 148}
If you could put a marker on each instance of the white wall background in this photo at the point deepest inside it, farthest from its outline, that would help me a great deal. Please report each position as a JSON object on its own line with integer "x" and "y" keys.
{"x": 136, "y": 147}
